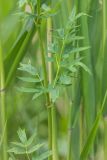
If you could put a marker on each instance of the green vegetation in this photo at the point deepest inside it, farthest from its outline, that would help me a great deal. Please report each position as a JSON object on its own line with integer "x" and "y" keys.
{"x": 53, "y": 80}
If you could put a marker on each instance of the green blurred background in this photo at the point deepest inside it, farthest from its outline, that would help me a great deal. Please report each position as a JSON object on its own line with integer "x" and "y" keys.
{"x": 87, "y": 91}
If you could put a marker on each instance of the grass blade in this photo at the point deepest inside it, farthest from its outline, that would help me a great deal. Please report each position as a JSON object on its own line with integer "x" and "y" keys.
{"x": 16, "y": 54}
{"x": 93, "y": 132}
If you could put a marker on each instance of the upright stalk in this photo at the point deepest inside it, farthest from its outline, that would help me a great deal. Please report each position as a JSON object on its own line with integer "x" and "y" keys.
{"x": 76, "y": 98}
{"x": 104, "y": 43}
{"x": 104, "y": 24}
{"x": 105, "y": 138}
{"x": 69, "y": 153}
{"x": 72, "y": 115}
{"x": 44, "y": 67}
{"x": 2, "y": 109}
{"x": 53, "y": 107}
{"x": 54, "y": 135}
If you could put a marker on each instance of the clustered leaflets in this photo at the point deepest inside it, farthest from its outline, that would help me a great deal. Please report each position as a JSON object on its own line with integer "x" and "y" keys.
{"x": 64, "y": 46}
{"x": 35, "y": 77}
{"x": 22, "y": 3}
{"x": 30, "y": 13}
{"x": 27, "y": 147}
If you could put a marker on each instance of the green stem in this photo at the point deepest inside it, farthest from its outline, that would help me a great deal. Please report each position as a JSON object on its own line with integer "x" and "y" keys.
{"x": 104, "y": 23}
{"x": 46, "y": 86}
{"x": 69, "y": 153}
{"x": 54, "y": 136}
{"x": 27, "y": 155}
{"x": 48, "y": 102}
{"x": 105, "y": 138}
{"x": 73, "y": 113}
{"x": 53, "y": 107}
{"x": 2, "y": 116}
{"x": 81, "y": 128}
{"x": 103, "y": 52}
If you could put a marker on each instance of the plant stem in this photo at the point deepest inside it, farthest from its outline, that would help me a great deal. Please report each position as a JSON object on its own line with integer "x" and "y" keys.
{"x": 2, "y": 96}
{"x": 48, "y": 102}
{"x": 27, "y": 155}
{"x": 105, "y": 138}
{"x": 104, "y": 24}
{"x": 73, "y": 113}
{"x": 54, "y": 136}
{"x": 103, "y": 52}
{"x": 69, "y": 153}
{"x": 53, "y": 107}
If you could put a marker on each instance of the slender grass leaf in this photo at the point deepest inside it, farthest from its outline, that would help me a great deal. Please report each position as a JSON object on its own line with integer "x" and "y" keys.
{"x": 17, "y": 52}
{"x": 12, "y": 53}
{"x": 93, "y": 132}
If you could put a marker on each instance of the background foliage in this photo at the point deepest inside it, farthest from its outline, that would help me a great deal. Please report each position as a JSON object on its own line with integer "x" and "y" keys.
{"x": 83, "y": 100}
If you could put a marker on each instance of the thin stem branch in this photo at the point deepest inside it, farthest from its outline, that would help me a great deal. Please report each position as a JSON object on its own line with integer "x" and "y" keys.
{"x": 27, "y": 155}
{"x": 58, "y": 62}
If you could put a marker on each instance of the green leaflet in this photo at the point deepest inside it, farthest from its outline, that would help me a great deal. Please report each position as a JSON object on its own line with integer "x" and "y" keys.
{"x": 54, "y": 94}
{"x": 53, "y": 48}
{"x": 28, "y": 68}
{"x": 75, "y": 50}
{"x": 36, "y": 95}
{"x": 22, "y": 135}
{"x": 30, "y": 79}
{"x": 65, "y": 80}
{"x": 35, "y": 148}
{"x": 27, "y": 90}
{"x": 43, "y": 156}
{"x": 21, "y": 3}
